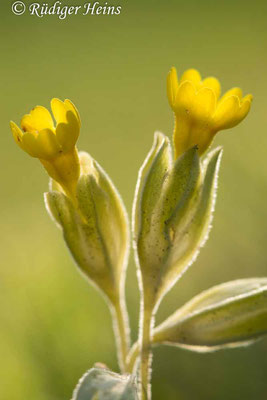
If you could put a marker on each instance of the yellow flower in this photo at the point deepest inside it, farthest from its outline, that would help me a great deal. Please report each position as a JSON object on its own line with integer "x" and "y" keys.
{"x": 53, "y": 145}
{"x": 199, "y": 110}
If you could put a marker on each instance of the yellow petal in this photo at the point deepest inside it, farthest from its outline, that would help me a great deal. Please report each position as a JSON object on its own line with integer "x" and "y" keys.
{"x": 197, "y": 106}
{"x": 47, "y": 141}
{"x": 27, "y": 141}
{"x": 41, "y": 145}
{"x": 232, "y": 92}
{"x": 69, "y": 104}
{"x": 192, "y": 75}
{"x": 248, "y": 97}
{"x": 205, "y": 103}
{"x": 231, "y": 112}
{"x": 67, "y": 133}
{"x": 30, "y": 144}
{"x": 38, "y": 119}
{"x": 172, "y": 86}
{"x": 214, "y": 84}
{"x": 193, "y": 111}
{"x": 17, "y": 134}
{"x": 185, "y": 97}
{"x": 245, "y": 107}
{"x": 59, "y": 110}
{"x": 68, "y": 123}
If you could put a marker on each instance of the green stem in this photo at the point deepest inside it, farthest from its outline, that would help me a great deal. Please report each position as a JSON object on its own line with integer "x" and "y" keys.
{"x": 134, "y": 353}
{"x": 132, "y": 357}
{"x": 146, "y": 354}
{"x": 121, "y": 331}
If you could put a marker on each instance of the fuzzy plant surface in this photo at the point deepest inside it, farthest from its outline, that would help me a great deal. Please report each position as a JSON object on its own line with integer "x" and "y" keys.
{"x": 171, "y": 219}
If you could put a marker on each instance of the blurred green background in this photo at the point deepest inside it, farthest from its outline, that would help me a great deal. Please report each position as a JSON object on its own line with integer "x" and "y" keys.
{"x": 53, "y": 326}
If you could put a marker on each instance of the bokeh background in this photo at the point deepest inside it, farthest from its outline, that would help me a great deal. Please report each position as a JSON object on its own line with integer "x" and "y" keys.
{"x": 53, "y": 325}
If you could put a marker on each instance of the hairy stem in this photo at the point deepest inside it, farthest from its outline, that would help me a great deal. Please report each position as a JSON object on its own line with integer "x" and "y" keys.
{"x": 132, "y": 357}
{"x": 147, "y": 322}
{"x": 121, "y": 330}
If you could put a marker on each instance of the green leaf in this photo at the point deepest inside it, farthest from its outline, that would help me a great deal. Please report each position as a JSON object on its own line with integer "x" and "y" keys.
{"x": 101, "y": 384}
{"x": 228, "y": 315}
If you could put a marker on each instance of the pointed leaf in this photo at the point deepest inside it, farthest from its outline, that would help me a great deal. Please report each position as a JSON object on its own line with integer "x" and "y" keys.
{"x": 228, "y": 315}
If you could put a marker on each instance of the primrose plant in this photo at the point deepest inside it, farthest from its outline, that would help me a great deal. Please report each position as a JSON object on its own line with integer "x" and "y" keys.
{"x": 172, "y": 212}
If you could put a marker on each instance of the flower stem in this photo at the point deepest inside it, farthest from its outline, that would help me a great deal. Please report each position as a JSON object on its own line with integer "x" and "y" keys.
{"x": 132, "y": 357}
{"x": 147, "y": 319}
{"x": 121, "y": 331}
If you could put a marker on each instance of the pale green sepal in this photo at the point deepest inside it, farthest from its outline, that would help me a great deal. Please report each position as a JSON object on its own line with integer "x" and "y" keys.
{"x": 149, "y": 242}
{"x": 95, "y": 229}
{"x": 190, "y": 224}
{"x": 104, "y": 212}
{"x": 228, "y": 315}
{"x": 82, "y": 241}
{"x": 179, "y": 205}
{"x": 182, "y": 182}
{"x": 101, "y": 384}
{"x": 151, "y": 178}
{"x": 52, "y": 200}
{"x": 173, "y": 209}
